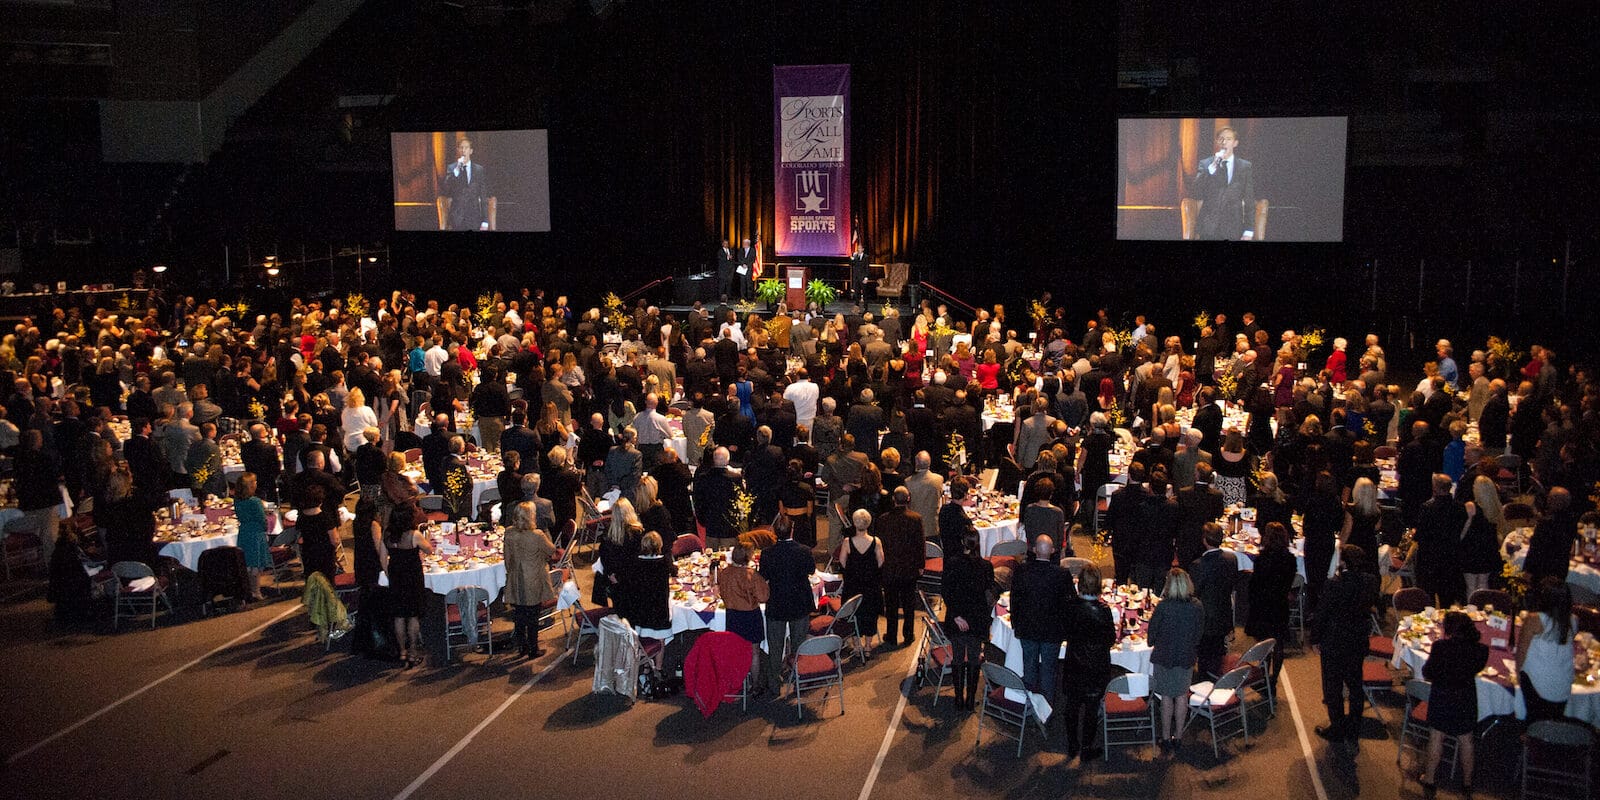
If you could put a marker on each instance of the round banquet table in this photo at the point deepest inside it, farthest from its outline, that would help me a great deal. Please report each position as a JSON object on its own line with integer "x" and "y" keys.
{"x": 187, "y": 551}
{"x": 1131, "y": 654}
{"x": 1498, "y": 693}
{"x": 1004, "y": 530}
{"x": 1579, "y": 573}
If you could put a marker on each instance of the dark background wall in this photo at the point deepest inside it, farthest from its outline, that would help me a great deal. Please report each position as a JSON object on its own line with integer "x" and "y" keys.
{"x": 984, "y": 141}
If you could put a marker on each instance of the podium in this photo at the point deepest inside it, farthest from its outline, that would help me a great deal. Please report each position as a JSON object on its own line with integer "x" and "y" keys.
{"x": 795, "y": 278}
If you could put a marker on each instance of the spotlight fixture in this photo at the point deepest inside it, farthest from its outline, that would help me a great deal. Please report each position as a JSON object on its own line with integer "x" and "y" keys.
{"x": 272, "y": 269}
{"x": 159, "y": 268}
{"x": 372, "y": 259}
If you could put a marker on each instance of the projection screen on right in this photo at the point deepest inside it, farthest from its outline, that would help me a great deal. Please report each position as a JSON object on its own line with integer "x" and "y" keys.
{"x": 1263, "y": 179}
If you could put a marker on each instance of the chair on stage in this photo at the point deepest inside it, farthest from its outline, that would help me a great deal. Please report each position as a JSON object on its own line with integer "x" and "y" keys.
{"x": 443, "y": 205}
{"x": 1189, "y": 211}
{"x": 894, "y": 281}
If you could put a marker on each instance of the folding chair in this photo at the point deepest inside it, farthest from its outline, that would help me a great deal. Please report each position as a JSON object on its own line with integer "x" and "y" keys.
{"x": 285, "y": 553}
{"x": 1414, "y": 732}
{"x": 1495, "y": 598}
{"x": 1259, "y": 680}
{"x": 432, "y": 506}
{"x": 710, "y": 639}
{"x": 1010, "y": 549}
{"x": 467, "y": 618}
{"x": 1376, "y": 679}
{"x": 1221, "y": 705}
{"x": 841, "y": 623}
{"x": 1297, "y": 610}
{"x": 1556, "y": 759}
{"x": 934, "y": 657}
{"x": 1102, "y": 505}
{"x": 1124, "y": 723}
{"x": 817, "y": 666}
{"x": 996, "y": 681}
{"x": 413, "y": 455}
{"x": 932, "y": 578}
{"x": 1410, "y": 601}
{"x": 1510, "y": 463}
{"x": 23, "y": 548}
{"x": 585, "y": 622}
{"x": 486, "y": 503}
{"x": 685, "y": 544}
{"x": 138, "y": 600}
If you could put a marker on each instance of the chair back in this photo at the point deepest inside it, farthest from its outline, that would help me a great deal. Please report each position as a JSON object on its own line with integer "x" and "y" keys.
{"x": 286, "y": 537}
{"x": 1075, "y": 565}
{"x": 1518, "y": 512}
{"x": 468, "y": 595}
{"x": 936, "y": 636}
{"x": 820, "y": 646}
{"x": 1002, "y": 677}
{"x": 1510, "y": 462}
{"x": 1233, "y": 680}
{"x": 413, "y": 455}
{"x": 1411, "y": 600}
{"x": 1258, "y": 652}
{"x": 927, "y": 605}
{"x": 847, "y": 610}
{"x": 932, "y": 550}
{"x": 1385, "y": 451}
{"x": 431, "y": 502}
{"x": 686, "y": 544}
{"x": 1015, "y": 547}
{"x": 1119, "y": 685}
{"x": 1562, "y": 734}
{"x": 1418, "y": 690}
{"x": 131, "y": 570}
{"x": 1491, "y": 597}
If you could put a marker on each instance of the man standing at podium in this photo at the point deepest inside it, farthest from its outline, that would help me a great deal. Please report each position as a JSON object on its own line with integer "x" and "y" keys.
{"x": 727, "y": 260}
{"x": 1225, "y": 185}
{"x": 745, "y": 272}
{"x": 466, "y": 183}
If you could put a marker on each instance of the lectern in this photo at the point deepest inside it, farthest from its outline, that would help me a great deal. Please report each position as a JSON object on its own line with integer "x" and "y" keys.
{"x": 795, "y": 279}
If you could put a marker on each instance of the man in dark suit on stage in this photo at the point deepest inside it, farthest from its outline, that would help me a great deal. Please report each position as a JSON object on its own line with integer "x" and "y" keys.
{"x": 746, "y": 270}
{"x": 860, "y": 270}
{"x": 1225, "y": 185}
{"x": 727, "y": 260}
{"x": 466, "y": 183}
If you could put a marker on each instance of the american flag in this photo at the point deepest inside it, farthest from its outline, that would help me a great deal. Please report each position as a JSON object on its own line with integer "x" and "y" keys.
{"x": 755, "y": 272}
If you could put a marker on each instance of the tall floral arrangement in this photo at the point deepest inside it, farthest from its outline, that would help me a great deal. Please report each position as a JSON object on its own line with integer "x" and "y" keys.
{"x": 616, "y": 314}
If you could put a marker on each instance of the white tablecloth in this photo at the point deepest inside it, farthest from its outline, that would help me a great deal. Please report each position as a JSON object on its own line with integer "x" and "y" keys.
{"x": 491, "y": 577}
{"x": 1495, "y": 699}
{"x": 1002, "y": 531}
{"x": 188, "y": 552}
{"x": 1129, "y": 656}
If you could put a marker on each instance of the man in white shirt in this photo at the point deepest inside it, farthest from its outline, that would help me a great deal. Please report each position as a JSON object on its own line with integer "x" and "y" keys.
{"x": 434, "y": 357}
{"x": 652, "y": 431}
{"x": 803, "y": 393}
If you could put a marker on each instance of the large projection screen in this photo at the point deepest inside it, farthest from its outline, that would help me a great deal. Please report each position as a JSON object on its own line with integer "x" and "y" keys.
{"x": 1281, "y": 178}
{"x": 471, "y": 180}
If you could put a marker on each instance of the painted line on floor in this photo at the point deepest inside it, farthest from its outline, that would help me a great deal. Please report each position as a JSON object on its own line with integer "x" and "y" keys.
{"x": 18, "y": 756}
{"x": 888, "y": 735}
{"x": 472, "y": 734}
{"x": 1305, "y": 741}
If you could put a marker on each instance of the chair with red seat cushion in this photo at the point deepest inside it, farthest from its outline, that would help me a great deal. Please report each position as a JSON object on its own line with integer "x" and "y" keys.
{"x": 934, "y": 656}
{"x": 22, "y": 549}
{"x": 1125, "y": 723}
{"x": 1410, "y": 601}
{"x": 1376, "y": 679}
{"x": 687, "y": 544}
{"x": 932, "y": 578}
{"x": 467, "y": 619}
{"x": 817, "y": 666}
{"x": 1415, "y": 732}
{"x": 584, "y": 622}
{"x": 1259, "y": 681}
{"x": 1379, "y": 646}
{"x": 432, "y": 506}
{"x": 1005, "y": 710}
{"x": 1221, "y": 704}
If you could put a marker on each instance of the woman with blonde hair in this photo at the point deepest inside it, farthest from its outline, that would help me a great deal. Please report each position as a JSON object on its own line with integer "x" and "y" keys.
{"x": 1174, "y": 635}
{"x": 1362, "y": 518}
{"x": 355, "y": 418}
{"x": 1480, "y": 542}
{"x": 619, "y": 549}
{"x": 653, "y": 514}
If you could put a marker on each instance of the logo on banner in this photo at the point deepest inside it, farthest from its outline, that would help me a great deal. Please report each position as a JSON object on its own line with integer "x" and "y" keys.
{"x": 811, "y": 191}
{"x": 812, "y": 129}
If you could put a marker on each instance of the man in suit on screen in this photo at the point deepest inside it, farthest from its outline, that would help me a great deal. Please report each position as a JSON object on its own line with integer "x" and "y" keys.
{"x": 466, "y": 183}
{"x": 1226, "y": 186}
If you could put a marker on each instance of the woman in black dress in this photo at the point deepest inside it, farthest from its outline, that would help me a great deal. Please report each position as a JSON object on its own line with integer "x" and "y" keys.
{"x": 408, "y": 594}
{"x": 1453, "y": 668}
{"x": 1269, "y": 592}
{"x": 319, "y": 531}
{"x": 1363, "y": 518}
{"x": 644, "y": 594}
{"x": 797, "y": 501}
{"x": 861, "y": 559}
{"x": 968, "y": 593}
{"x": 1480, "y": 543}
{"x": 1094, "y": 459}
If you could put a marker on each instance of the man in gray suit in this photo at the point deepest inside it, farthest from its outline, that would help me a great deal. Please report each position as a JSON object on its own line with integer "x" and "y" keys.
{"x": 1225, "y": 185}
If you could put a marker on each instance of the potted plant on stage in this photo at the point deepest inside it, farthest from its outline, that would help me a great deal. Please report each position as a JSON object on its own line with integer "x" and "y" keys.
{"x": 770, "y": 291}
{"x": 820, "y": 293}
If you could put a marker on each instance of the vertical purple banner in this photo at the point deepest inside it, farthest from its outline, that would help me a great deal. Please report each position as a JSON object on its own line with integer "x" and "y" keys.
{"x": 811, "y": 159}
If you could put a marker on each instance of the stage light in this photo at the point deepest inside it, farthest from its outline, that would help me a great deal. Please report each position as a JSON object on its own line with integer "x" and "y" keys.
{"x": 159, "y": 268}
{"x": 272, "y": 269}
{"x": 372, "y": 259}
